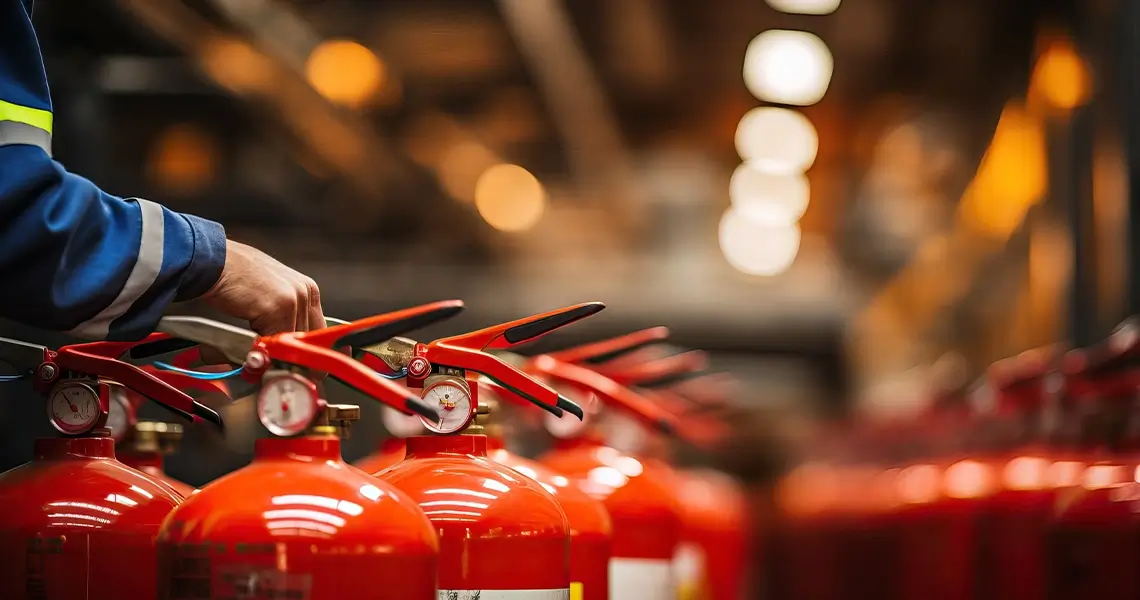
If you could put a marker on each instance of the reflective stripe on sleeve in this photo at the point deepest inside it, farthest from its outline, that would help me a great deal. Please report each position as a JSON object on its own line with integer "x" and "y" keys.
{"x": 12, "y": 133}
{"x": 143, "y": 275}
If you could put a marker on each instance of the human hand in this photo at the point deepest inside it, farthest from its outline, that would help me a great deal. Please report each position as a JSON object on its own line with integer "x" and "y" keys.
{"x": 271, "y": 296}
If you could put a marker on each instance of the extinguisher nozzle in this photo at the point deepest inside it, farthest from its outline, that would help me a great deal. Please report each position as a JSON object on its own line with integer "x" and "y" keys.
{"x": 569, "y": 406}
{"x": 417, "y": 406}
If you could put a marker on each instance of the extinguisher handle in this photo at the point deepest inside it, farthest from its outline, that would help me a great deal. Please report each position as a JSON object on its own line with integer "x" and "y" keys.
{"x": 374, "y": 330}
{"x": 609, "y": 349}
{"x": 513, "y": 333}
{"x": 1120, "y": 351}
{"x": 660, "y": 371}
{"x": 610, "y": 392}
{"x": 22, "y": 356}
{"x": 694, "y": 428}
{"x": 99, "y": 359}
{"x": 708, "y": 390}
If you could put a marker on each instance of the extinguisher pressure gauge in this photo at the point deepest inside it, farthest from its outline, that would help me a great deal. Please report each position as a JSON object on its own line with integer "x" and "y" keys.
{"x": 74, "y": 408}
{"x": 451, "y": 397}
{"x": 119, "y": 412}
{"x": 287, "y": 403}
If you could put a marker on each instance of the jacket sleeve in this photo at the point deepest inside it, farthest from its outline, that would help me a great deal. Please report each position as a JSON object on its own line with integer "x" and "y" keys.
{"x": 73, "y": 257}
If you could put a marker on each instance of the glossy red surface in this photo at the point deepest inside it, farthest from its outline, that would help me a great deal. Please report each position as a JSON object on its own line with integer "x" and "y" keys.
{"x": 297, "y": 520}
{"x": 151, "y": 464}
{"x": 640, "y": 495}
{"x": 1092, "y": 550}
{"x": 591, "y": 533}
{"x": 79, "y": 524}
{"x": 390, "y": 452}
{"x": 498, "y": 530}
{"x": 717, "y": 520}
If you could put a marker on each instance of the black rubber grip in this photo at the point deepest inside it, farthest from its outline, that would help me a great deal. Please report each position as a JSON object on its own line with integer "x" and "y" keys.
{"x": 160, "y": 347}
{"x": 417, "y": 406}
{"x": 666, "y": 426}
{"x": 210, "y": 415}
{"x": 554, "y": 410}
{"x": 612, "y": 354}
{"x": 380, "y": 333}
{"x": 528, "y": 331}
{"x": 671, "y": 379}
{"x": 569, "y": 406}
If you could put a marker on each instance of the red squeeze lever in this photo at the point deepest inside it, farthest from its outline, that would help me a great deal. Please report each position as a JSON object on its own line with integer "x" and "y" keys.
{"x": 100, "y": 360}
{"x": 467, "y": 352}
{"x": 314, "y": 350}
{"x": 611, "y": 349}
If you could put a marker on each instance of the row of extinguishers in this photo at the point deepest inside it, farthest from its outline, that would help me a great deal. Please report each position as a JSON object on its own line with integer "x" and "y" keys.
{"x": 449, "y": 513}
{"x": 1022, "y": 488}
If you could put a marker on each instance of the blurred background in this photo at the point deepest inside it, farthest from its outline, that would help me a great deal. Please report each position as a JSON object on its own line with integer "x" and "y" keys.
{"x": 847, "y": 203}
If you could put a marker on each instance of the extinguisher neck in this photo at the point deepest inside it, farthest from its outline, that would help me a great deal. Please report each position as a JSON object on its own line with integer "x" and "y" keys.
{"x": 423, "y": 446}
{"x": 306, "y": 448}
{"x": 495, "y": 442}
{"x": 141, "y": 459}
{"x": 81, "y": 447}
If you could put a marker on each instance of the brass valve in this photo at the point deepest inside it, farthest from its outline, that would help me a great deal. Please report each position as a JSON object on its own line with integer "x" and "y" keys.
{"x": 480, "y": 423}
{"x": 154, "y": 436}
{"x": 336, "y": 419}
{"x": 396, "y": 352}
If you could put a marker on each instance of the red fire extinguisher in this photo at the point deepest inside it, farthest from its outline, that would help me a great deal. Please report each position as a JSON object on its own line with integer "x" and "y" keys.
{"x": 143, "y": 444}
{"x": 1092, "y": 550}
{"x": 78, "y": 523}
{"x": 641, "y": 492}
{"x": 299, "y": 522}
{"x": 502, "y": 535}
{"x": 714, "y": 554}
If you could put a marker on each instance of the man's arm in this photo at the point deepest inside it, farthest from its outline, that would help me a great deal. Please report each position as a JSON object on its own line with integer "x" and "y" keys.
{"x": 77, "y": 259}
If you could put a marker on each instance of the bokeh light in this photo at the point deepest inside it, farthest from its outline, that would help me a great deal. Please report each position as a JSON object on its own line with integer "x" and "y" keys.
{"x": 184, "y": 159}
{"x": 509, "y": 198}
{"x": 755, "y": 247}
{"x": 1061, "y": 76}
{"x": 769, "y": 198}
{"x": 345, "y": 72}
{"x": 787, "y": 67}
{"x": 805, "y": 7}
{"x": 777, "y": 139}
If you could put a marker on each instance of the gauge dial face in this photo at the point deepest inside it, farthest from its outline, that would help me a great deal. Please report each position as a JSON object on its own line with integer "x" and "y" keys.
{"x": 287, "y": 404}
{"x": 400, "y": 425}
{"x": 74, "y": 408}
{"x": 453, "y": 403}
{"x": 119, "y": 412}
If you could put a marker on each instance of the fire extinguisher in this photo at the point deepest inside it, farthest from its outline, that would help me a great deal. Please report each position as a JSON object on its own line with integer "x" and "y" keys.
{"x": 714, "y": 554}
{"x": 143, "y": 444}
{"x": 299, "y": 522}
{"x": 502, "y": 535}
{"x": 1092, "y": 550}
{"x": 78, "y": 523}
{"x": 641, "y": 492}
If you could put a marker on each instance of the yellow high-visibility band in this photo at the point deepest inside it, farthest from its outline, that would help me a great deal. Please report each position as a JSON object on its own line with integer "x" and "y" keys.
{"x": 40, "y": 119}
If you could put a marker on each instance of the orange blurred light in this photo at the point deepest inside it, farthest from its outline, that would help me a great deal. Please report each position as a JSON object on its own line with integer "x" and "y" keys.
{"x": 461, "y": 166}
{"x": 509, "y": 198}
{"x": 1064, "y": 473}
{"x": 969, "y": 479}
{"x": 918, "y": 484}
{"x": 1102, "y": 476}
{"x": 184, "y": 159}
{"x": 345, "y": 72}
{"x": 1025, "y": 473}
{"x": 237, "y": 66}
{"x": 1061, "y": 76}
{"x": 1012, "y": 175}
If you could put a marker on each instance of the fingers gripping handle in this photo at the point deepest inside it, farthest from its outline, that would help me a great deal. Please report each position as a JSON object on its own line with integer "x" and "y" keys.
{"x": 506, "y": 335}
{"x": 606, "y": 350}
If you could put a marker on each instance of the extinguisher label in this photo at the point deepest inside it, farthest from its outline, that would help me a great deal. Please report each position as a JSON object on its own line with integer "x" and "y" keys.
{"x": 252, "y": 583}
{"x": 563, "y": 594}
{"x": 641, "y": 579}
